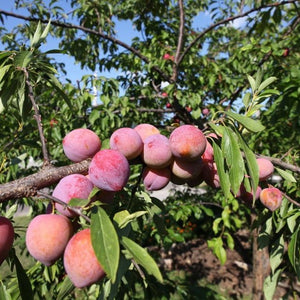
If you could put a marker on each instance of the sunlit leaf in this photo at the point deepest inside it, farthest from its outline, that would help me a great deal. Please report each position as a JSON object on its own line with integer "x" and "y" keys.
{"x": 142, "y": 257}
{"x": 266, "y": 83}
{"x": 105, "y": 242}
{"x": 250, "y": 124}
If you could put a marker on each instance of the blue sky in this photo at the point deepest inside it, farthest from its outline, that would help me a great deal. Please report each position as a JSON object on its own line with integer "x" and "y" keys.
{"x": 125, "y": 32}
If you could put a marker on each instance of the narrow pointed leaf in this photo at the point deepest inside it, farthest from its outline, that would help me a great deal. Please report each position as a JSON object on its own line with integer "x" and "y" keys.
{"x": 286, "y": 175}
{"x": 258, "y": 78}
{"x": 224, "y": 178}
{"x": 252, "y": 83}
{"x": 105, "y": 242}
{"x": 22, "y": 59}
{"x": 266, "y": 83}
{"x": 251, "y": 164}
{"x": 142, "y": 257}
{"x": 250, "y": 124}
{"x": 65, "y": 288}
{"x": 23, "y": 281}
{"x": 37, "y": 35}
{"x": 3, "y": 293}
{"x": 234, "y": 159}
{"x": 45, "y": 32}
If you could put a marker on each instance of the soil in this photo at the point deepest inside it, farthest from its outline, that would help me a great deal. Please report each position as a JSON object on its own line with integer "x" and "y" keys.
{"x": 234, "y": 278}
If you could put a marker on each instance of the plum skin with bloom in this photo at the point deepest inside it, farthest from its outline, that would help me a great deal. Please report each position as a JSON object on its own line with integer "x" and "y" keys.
{"x": 127, "y": 141}
{"x": 80, "y": 261}
{"x": 109, "y": 170}
{"x": 71, "y": 186}
{"x": 6, "y": 237}
{"x": 187, "y": 142}
{"x": 47, "y": 236}
{"x": 80, "y": 144}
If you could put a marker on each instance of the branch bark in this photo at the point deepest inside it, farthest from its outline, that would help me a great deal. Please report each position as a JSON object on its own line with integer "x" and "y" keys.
{"x": 38, "y": 118}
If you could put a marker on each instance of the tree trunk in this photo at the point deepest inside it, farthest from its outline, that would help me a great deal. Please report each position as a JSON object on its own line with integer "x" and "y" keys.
{"x": 261, "y": 265}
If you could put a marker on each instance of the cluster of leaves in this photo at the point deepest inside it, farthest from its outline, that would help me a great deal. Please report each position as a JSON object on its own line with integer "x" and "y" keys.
{"x": 214, "y": 68}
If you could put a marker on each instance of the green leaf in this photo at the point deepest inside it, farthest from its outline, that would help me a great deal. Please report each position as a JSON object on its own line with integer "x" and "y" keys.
{"x": 294, "y": 251}
{"x": 131, "y": 217}
{"x": 216, "y": 244}
{"x": 224, "y": 178}
{"x": 234, "y": 159}
{"x": 56, "y": 84}
{"x": 37, "y": 35}
{"x": 266, "y": 83}
{"x": 250, "y": 124}
{"x": 23, "y": 281}
{"x": 65, "y": 288}
{"x": 270, "y": 284}
{"x": 258, "y": 78}
{"x": 142, "y": 257}
{"x": 246, "y": 99}
{"x": 276, "y": 253}
{"x": 78, "y": 202}
{"x": 4, "y": 295}
{"x": 22, "y": 59}
{"x": 230, "y": 240}
{"x": 286, "y": 175}
{"x": 252, "y": 83}
{"x": 4, "y": 70}
{"x": 105, "y": 242}
{"x": 251, "y": 163}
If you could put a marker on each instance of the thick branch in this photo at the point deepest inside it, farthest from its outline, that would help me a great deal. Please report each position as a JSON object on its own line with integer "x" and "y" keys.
{"x": 230, "y": 19}
{"x": 90, "y": 31}
{"x": 38, "y": 118}
{"x": 28, "y": 186}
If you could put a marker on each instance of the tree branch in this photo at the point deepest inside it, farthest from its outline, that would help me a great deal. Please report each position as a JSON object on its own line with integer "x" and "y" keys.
{"x": 28, "y": 186}
{"x": 225, "y": 21}
{"x": 180, "y": 41}
{"x": 38, "y": 118}
{"x": 76, "y": 210}
{"x": 90, "y": 31}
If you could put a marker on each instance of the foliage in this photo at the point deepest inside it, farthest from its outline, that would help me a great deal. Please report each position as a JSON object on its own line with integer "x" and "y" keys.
{"x": 248, "y": 78}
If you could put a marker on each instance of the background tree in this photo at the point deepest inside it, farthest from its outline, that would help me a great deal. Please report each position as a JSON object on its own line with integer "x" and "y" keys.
{"x": 240, "y": 82}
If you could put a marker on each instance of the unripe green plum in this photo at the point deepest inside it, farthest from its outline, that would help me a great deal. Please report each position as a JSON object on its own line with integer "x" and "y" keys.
{"x": 265, "y": 167}
{"x": 47, "y": 236}
{"x": 80, "y": 144}
{"x": 109, "y": 170}
{"x": 271, "y": 198}
{"x": 157, "y": 152}
{"x": 6, "y": 237}
{"x": 187, "y": 142}
{"x": 71, "y": 186}
{"x": 186, "y": 169}
{"x": 156, "y": 179}
{"x": 127, "y": 141}
{"x": 145, "y": 130}
{"x": 80, "y": 261}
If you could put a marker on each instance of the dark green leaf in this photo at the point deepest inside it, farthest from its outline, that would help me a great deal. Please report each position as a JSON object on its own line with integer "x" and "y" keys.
{"x": 223, "y": 175}
{"x": 65, "y": 288}
{"x": 250, "y": 124}
{"x": 105, "y": 242}
{"x": 22, "y": 59}
{"x": 23, "y": 281}
{"x": 234, "y": 159}
{"x": 78, "y": 202}
{"x": 142, "y": 257}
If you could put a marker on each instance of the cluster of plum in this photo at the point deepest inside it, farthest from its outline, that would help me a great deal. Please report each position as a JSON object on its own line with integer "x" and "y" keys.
{"x": 185, "y": 157}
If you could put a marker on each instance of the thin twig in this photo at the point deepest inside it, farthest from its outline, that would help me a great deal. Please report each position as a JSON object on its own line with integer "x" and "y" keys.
{"x": 76, "y": 210}
{"x": 180, "y": 41}
{"x": 290, "y": 199}
{"x": 38, "y": 118}
{"x": 280, "y": 163}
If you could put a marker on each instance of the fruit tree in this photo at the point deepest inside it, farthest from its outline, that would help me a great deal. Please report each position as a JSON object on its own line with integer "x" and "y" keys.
{"x": 203, "y": 95}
